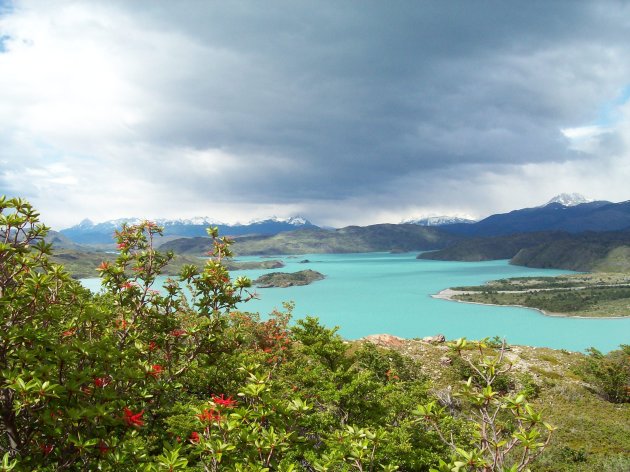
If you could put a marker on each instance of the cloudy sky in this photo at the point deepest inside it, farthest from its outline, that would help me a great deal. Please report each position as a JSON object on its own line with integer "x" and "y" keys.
{"x": 350, "y": 112}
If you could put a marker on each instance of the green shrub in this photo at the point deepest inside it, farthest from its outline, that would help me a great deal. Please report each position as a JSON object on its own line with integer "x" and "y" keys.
{"x": 609, "y": 373}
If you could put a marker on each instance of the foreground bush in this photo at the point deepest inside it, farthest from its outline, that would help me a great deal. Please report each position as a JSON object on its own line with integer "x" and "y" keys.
{"x": 609, "y": 373}
{"x": 144, "y": 378}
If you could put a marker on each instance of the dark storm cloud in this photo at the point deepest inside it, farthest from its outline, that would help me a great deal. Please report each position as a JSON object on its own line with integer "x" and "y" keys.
{"x": 372, "y": 103}
{"x": 358, "y": 94}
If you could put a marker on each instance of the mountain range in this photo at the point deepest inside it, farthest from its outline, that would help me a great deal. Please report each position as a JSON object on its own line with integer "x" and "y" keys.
{"x": 554, "y": 216}
{"x": 438, "y": 220}
{"x": 568, "y": 232}
{"x": 88, "y": 232}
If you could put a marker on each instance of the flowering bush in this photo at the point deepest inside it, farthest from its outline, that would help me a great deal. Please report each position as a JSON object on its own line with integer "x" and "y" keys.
{"x": 147, "y": 378}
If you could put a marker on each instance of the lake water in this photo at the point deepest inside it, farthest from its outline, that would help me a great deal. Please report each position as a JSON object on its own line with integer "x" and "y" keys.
{"x": 391, "y": 293}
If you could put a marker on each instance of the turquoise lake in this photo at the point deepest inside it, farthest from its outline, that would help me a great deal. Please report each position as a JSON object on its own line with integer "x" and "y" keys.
{"x": 391, "y": 293}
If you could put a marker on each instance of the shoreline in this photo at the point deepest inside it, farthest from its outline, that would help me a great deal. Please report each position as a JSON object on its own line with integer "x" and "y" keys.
{"x": 448, "y": 294}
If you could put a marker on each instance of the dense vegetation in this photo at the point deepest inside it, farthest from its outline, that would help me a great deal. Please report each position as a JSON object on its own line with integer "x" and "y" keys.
{"x": 140, "y": 379}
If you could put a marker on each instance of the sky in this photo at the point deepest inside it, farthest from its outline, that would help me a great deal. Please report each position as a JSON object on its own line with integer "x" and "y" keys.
{"x": 353, "y": 112}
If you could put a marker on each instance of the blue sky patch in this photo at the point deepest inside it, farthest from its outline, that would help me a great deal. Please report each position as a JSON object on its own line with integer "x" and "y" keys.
{"x": 3, "y": 40}
{"x": 609, "y": 111}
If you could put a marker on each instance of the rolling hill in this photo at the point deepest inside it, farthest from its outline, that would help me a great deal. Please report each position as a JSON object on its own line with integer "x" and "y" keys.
{"x": 383, "y": 237}
{"x": 590, "y": 251}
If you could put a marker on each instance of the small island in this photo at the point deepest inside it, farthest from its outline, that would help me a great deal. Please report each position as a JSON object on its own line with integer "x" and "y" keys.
{"x": 286, "y": 279}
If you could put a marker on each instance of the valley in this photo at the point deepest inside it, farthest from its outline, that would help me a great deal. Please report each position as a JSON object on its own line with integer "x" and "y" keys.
{"x": 546, "y": 239}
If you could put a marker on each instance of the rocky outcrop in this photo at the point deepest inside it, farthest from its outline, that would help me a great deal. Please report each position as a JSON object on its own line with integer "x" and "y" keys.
{"x": 384, "y": 340}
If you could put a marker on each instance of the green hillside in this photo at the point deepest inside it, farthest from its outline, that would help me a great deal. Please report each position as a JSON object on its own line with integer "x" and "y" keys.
{"x": 375, "y": 238}
{"x": 579, "y": 254}
{"x": 606, "y": 251}
{"x": 491, "y": 248}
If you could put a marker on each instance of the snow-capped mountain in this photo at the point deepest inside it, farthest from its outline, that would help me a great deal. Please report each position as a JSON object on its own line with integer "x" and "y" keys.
{"x": 88, "y": 232}
{"x": 569, "y": 199}
{"x": 437, "y": 220}
{"x": 292, "y": 220}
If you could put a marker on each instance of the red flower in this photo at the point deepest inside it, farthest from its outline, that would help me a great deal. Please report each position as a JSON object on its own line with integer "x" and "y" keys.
{"x": 178, "y": 332}
{"x": 126, "y": 286}
{"x": 209, "y": 416}
{"x": 103, "y": 448}
{"x": 152, "y": 346}
{"x": 46, "y": 448}
{"x": 224, "y": 402}
{"x": 104, "y": 266}
{"x": 390, "y": 375}
{"x": 68, "y": 332}
{"x": 194, "y": 437}
{"x": 101, "y": 382}
{"x": 122, "y": 245}
{"x": 133, "y": 419}
{"x": 122, "y": 324}
{"x": 156, "y": 370}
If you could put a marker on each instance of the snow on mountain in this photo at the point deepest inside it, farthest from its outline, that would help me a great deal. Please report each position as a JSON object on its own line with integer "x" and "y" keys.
{"x": 438, "y": 220}
{"x": 292, "y": 220}
{"x": 569, "y": 199}
{"x": 86, "y": 223}
{"x": 88, "y": 232}
{"x": 194, "y": 221}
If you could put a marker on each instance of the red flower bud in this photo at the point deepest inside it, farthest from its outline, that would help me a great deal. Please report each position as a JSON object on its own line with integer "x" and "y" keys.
{"x": 133, "y": 419}
{"x": 46, "y": 448}
{"x": 155, "y": 371}
{"x": 102, "y": 382}
{"x": 224, "y": 402}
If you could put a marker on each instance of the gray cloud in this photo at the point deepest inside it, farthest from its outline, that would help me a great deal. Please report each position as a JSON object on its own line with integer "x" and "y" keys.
{"x": 354, "y": 112}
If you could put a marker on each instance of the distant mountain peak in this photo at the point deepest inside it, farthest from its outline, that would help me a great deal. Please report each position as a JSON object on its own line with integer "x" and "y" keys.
{"x": 569, "y": 199}
{"x": 291, "y": 220}
{"x": 86, "y": 223}
{"x": 437, "y": 220}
